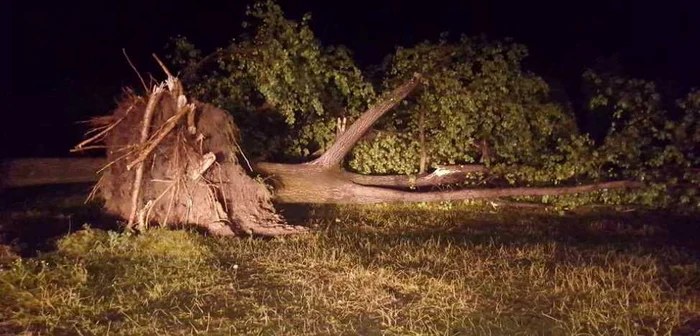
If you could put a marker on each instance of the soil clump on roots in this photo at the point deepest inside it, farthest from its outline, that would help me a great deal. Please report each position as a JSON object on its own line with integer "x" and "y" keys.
{"x": 173, "y": 162}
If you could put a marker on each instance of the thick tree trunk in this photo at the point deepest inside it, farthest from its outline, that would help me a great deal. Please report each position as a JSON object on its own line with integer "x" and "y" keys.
{"x": 41, "y": 171}
{"x": 304, "y": 183}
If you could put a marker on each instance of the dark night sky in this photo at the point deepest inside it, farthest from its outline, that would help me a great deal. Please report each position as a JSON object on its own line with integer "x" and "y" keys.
{"x": 66, "y": 53}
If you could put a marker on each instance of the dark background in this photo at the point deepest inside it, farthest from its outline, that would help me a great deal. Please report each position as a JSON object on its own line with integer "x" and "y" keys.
{"x": 65, "y": 64}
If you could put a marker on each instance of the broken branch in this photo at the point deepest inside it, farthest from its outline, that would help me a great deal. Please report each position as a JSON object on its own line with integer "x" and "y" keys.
{"x": 159, "y": 138}
{"x": 441, "y": 175}
{"x": 347, "y": 140}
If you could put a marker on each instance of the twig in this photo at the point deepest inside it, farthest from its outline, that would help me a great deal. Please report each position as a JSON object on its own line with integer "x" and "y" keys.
{"x": 148, "y": 208}
{"x": 240, "y": 150}
{"x": 95, "y": 189}
{"x": 145, "y": 87}
{"x": 114, "y": 161}
{"x": 95, "y": 130}
{"x": 172, "y": 201}
{"x": 162, "y": 66}
{"x": 75, "y": 150}
{"x": 152, "y": 79}
{"x": 105, "y": 131}
{"x": 176, "y": 182}
{"x": 101, "y": 120}
{"x": 143, "y": 216}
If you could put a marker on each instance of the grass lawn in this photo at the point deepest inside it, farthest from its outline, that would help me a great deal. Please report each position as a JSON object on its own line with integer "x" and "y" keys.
{"x": 372, "y": 270}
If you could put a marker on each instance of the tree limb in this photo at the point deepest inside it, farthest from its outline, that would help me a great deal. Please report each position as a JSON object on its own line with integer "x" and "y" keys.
{"x": 301, "y": 183}
{"x": 441, "y": 175}
{"x": 368, "y": 195}
{"x": 347, "y": 140}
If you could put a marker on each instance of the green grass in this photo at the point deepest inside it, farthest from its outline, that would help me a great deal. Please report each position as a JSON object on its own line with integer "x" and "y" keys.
{"x": 400, "y": 270}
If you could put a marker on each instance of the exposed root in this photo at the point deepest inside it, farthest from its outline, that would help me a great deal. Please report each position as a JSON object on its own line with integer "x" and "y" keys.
{"x": 187, "y": 171}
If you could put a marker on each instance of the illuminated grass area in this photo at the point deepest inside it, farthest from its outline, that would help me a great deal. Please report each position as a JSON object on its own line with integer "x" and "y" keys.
{"x": 399, "y": 270}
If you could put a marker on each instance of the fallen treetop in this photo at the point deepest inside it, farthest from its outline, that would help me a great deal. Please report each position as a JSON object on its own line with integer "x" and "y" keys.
{"x": 324, "y": 181}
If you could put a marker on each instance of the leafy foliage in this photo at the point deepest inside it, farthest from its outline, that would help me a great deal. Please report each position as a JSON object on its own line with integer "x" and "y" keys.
{"x": 475, "y": 92}
{"x": 283, "y": 87}
{"x": 476, "y": 105}
{"x": 648, "y": 139}
{"x": 388, "y": 152}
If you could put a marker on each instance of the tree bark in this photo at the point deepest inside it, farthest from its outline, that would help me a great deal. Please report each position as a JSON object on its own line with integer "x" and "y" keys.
{"x": 442, "y": 175}
{"x": 304, "y": 183}
{"x": 349, "y": 138}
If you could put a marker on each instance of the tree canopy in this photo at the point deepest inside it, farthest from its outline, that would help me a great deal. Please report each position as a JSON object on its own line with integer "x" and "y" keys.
{"x": 476, "y": 105}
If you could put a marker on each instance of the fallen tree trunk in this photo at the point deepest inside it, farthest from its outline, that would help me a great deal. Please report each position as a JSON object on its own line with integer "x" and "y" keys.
{"x": 29, "y": 172}
{"x": 304, "y": 183}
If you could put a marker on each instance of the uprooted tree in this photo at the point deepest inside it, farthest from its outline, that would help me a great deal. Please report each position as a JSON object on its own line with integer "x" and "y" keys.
{"x": 175, "y": 161}
{"x": 465, "y": 110}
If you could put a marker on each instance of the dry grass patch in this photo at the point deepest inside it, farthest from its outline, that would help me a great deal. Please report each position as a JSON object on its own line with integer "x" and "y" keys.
{"x": 369, "y": 271}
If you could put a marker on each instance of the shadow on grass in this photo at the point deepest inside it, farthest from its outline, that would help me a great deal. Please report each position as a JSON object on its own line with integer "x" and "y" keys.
{"x": 650, "y": 229}
{"x": 574, "y": 240}
{"x": 31, "y": 219}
